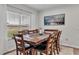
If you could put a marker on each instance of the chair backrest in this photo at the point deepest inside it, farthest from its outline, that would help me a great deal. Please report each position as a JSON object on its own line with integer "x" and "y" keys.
{"x": 19, "y": 41}
{"x": 51, "y": 40}
{"x": 59, "y": 34}
{"x": 33, "y": 31}
{"x": 49, "y": 31}
{"x": 24, "y": 31}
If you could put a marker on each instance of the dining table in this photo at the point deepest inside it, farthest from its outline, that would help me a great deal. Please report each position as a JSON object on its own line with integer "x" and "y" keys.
{"x": 35, "y": 39}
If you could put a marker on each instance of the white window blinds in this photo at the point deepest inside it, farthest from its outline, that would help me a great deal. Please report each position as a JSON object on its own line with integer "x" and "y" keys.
{"x": 18, "y": 19}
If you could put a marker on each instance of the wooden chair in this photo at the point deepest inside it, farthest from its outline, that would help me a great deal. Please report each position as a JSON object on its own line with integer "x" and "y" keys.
{"x": 23, "y": 31}
{"x": 49, "y": 31}
{"x": 55, "y": 37}
{"x": 21, "y": 46}
{"x": 33, "y": 31}
{"x": 58, "y": 40}
{"x": 50, "y": 47}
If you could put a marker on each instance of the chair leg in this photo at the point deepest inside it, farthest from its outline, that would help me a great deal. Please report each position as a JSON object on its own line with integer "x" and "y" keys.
{"x": 57, "y": 47}
{"x": 54, "y": 51}
{"x": 57, "y": 51}
{"x": 17, "y": 51}
{"x": 20, "y": 53}
{"x": 36, "y": 53}
{"x": 24, "y": 53}
{"x": 27, "y": 53}
{"x": 33, "y": 51}
{"x": 30, "y": 52}
{"x": 51, "y": 52}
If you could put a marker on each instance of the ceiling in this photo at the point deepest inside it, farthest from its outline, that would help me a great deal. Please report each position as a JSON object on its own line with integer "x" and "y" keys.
{"x": 41, "y": 7}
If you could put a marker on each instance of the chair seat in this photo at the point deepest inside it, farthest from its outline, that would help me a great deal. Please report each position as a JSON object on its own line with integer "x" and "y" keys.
{"x": 26, "y": 48}
{"x": 27, "y": 45}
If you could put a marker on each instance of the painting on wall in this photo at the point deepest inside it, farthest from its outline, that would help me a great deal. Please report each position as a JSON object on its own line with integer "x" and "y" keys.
{"x": 58, "y": 19}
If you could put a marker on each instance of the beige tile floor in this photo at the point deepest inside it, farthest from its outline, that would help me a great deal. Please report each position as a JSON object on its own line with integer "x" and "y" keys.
{"x": 64, "y": 51}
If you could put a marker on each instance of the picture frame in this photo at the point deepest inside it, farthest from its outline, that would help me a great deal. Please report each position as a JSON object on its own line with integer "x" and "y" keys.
{"x": 58, "y": 19}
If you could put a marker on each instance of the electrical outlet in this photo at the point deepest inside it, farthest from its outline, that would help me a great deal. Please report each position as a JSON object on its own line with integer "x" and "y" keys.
{"x": 66, "y": 39}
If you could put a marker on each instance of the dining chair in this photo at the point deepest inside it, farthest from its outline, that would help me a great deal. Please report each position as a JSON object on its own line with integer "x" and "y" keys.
{"x": 33, "y": 31}
{"x": 21, "y": 46}
{"x": 49, "y": 31}
{"x": 58, "y": 40}
{"x": 24, "y": 31}
{"x": 50, "y": 47}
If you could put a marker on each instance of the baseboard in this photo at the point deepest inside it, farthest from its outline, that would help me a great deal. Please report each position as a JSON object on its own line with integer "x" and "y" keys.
{"x": 9, "y": 51}
{"x": 70, "y": 46}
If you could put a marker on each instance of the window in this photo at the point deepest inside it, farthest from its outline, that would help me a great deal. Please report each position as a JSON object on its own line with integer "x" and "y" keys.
{"x": 18, "y": 19}
{"x": 25, "y": 20}
{"x": 13, "y": 19}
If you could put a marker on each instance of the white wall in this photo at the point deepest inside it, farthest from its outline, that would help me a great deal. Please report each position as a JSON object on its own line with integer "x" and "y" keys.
{"x": 70, "y": 31}
{"x": 2, "y": 27}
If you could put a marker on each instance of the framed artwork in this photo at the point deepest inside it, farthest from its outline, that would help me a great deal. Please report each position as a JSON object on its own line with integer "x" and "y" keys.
{"x": 58, "y": 19}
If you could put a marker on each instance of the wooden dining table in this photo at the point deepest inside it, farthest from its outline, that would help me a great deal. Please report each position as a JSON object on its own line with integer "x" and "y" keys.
{"x": 35, "y": 39}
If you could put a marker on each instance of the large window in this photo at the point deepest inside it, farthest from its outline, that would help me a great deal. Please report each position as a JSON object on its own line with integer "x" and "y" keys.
{"x": 13, "y": 19}
{"x": 16, "y": 21}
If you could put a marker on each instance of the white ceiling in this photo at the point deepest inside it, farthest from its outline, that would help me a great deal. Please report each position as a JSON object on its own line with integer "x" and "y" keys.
{"x": 41, "y": 7}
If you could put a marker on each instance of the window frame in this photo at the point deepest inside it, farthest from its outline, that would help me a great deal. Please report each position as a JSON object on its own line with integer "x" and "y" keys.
{"x": 19, "y": 25}
{"x": 20, "y": 19}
